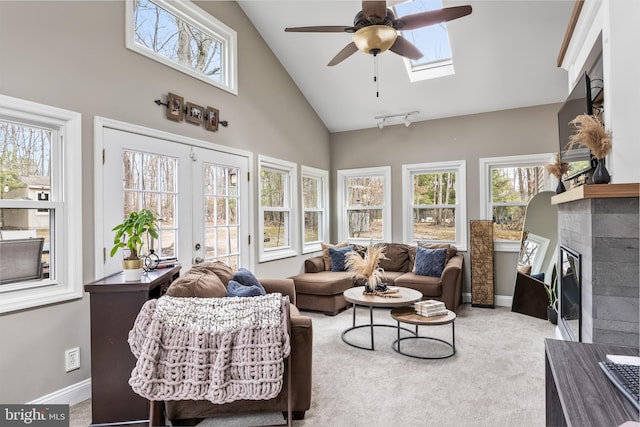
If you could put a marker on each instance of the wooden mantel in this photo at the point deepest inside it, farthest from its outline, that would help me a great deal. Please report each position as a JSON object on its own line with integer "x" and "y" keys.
{"x": 597, "y": 191}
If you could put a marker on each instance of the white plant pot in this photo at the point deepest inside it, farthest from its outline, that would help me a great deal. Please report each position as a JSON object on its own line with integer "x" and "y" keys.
{"x": 133, "y": 275}
{"x": 132, "y": 270}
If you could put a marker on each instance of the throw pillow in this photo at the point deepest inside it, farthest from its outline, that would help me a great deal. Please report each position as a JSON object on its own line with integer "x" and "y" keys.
{"x": 236, "y": 289}
{"x": 430, "y": 262}
{"x": 325, "y": 253}
{"x": 219, "y": 268}
{"x": 338, "y": 257}
{"x": 197, "y": 284}
{"x": 246, "y": 279}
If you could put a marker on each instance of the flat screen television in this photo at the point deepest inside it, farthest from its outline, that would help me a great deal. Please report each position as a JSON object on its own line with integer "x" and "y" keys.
{"x": 579, "y": 102}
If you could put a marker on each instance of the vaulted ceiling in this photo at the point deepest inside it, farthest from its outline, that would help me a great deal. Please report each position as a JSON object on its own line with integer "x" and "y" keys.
{"x": 504, "y": 53}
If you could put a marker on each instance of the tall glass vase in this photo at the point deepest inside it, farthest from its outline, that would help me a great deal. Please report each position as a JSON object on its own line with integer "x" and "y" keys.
{"x": 601, "y": 174}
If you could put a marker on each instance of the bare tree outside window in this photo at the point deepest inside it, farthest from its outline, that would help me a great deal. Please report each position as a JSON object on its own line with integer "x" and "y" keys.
{"x": 171, "y": 37}
{"x": 511, "y": 190}
{"x": 434, "y": 206}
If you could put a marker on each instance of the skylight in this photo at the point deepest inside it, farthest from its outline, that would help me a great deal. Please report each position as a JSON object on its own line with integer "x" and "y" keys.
{"x": 432, "y": 41}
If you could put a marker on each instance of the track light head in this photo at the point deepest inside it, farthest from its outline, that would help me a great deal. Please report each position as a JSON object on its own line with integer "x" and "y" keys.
{"x": 382, "y": 122}
{"x": 407, "y": 122}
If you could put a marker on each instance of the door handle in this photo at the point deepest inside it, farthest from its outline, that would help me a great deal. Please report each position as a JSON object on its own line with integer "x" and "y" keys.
{"x": 198, "y": 260}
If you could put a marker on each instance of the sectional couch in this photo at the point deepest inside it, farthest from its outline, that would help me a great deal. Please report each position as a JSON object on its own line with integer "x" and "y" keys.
{"x": 320, "y": 289}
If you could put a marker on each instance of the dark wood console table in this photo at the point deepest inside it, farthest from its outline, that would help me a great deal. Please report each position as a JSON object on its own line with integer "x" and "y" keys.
{"x": 577, "y": 391}
{"x": 114, "y": 307}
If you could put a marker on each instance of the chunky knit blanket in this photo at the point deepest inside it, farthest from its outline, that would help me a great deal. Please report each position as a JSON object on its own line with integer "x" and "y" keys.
{"x": 216, "y": 349}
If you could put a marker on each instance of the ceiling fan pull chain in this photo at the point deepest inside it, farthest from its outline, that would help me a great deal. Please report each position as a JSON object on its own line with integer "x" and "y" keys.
{"x": 375, "y": 74}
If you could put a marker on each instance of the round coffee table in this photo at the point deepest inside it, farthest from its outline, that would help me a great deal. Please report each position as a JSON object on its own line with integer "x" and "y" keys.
{"x": 409, "y": 315}
{"x": 357, "y": 298}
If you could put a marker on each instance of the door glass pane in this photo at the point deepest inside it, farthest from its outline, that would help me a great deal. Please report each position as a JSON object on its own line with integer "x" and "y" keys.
{"x": 150, "y": 182}
{"x": 434, "y": 224}
{"x": 221, "y": 200}
{"x": 365, "y": 223}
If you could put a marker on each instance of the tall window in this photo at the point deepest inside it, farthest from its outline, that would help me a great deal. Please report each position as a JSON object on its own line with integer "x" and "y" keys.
{"x": 434, "y": 203}
{"x": 40, "y": 204}
{"x": 364, "y": 197}
{"x": 184, "y": 37}
{"x": 507, "y": 185}
{"x": 315, "y": 202}
{"x": 278, "y": 191}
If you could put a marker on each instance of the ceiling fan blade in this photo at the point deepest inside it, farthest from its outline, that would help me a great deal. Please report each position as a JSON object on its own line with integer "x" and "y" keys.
{"x": 424, "y": 19}
{"x": 321, "y": 29}
{"x": 348, "y": 50}
{"x": 404, "y": 47}
{"x": 374, "y": 8}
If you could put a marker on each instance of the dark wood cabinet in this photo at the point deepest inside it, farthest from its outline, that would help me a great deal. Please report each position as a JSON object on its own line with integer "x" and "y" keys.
{"x": 578, "y": 393}
{"x": 114, "y": 306}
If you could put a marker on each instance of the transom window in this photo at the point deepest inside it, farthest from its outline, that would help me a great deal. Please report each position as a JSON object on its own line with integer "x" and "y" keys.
{"x": 315, "y": 200}
{"x": 432, "y": 41}
{"x": 277, "y": 214}
{"x": 364, "y": 197}
{"x": 507, "y": 186}
{"x": 434, "y": 203}
{"x": 184, "y": 37}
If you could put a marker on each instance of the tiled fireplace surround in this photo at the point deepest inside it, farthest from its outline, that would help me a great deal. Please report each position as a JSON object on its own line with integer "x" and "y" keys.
{"x": 601, "y": 223}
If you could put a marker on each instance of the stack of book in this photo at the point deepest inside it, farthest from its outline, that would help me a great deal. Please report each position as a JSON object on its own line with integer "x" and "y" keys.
{"x": 430, "y": 308}
{"x": 167, "y": 263}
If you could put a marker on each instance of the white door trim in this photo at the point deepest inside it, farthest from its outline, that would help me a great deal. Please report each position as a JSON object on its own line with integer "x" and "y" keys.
{"x": 100, "y": 123}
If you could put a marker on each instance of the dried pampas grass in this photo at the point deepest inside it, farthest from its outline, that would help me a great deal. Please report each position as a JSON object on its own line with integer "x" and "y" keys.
{"x": 367, "y": 267}
{"x": 558, "y": 168}
{"x": 591, "y": 134}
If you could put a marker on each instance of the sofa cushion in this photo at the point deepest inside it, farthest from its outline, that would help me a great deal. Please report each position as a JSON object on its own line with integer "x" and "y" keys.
{"x": 451, "y": 250}
{"x": 325, "y": 253}
{"x": 219, "y": 268}
{"x": 201, "y": 284}
{"x": 398, "y": 257}
{"x": 323, "y": 283}
{"x": 246, "y": 278}
{"x": 430, "y": 262}
{"x": 338, "y": 257}
{"x": 429, "y": 286}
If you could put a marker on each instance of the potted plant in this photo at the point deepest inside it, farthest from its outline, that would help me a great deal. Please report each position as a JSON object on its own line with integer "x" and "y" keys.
{"x": 590, "y": 133}
{"x": 552, "y": 295}
{"x": 558, "y": 168}
{"x": 129, "y": 235}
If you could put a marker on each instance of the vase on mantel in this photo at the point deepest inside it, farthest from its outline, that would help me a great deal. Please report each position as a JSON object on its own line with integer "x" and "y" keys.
{"x": 600, "y": 174}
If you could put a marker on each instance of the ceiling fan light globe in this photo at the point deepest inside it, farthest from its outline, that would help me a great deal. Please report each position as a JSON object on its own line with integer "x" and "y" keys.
{"x": 375, "y": 39}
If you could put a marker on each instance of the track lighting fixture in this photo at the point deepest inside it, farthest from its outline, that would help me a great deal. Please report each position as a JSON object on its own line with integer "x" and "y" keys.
{"x": 405, "y": 118}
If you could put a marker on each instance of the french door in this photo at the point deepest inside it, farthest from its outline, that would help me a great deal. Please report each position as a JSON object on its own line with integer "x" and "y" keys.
{"x": 201, "y": 195}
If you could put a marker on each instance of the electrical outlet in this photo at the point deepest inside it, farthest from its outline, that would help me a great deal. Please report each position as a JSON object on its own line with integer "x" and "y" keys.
{"x": 72, "y": 359}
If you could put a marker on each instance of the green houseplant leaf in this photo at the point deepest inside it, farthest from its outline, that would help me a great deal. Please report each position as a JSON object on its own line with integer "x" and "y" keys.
{"x": 129, "y": 233}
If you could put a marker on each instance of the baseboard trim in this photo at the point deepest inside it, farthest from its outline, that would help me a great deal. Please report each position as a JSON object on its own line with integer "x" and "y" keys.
{"x": 71, "y": 395}
{"x": 499, "y": 300}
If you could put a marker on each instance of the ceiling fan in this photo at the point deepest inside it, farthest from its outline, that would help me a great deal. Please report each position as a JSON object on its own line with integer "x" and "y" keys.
{"x": 375, "y": 29}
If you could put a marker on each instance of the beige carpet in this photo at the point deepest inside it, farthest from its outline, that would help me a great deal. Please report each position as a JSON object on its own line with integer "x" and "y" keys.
{"x": 495, "y": 379}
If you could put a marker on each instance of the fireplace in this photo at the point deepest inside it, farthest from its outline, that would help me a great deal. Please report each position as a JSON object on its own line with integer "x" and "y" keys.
{"x": 599, "y": 237}
{"x": 570, "y": 294}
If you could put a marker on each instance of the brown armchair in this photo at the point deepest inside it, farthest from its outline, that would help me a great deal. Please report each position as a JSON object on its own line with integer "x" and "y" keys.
{"x": 190, "y": 412}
